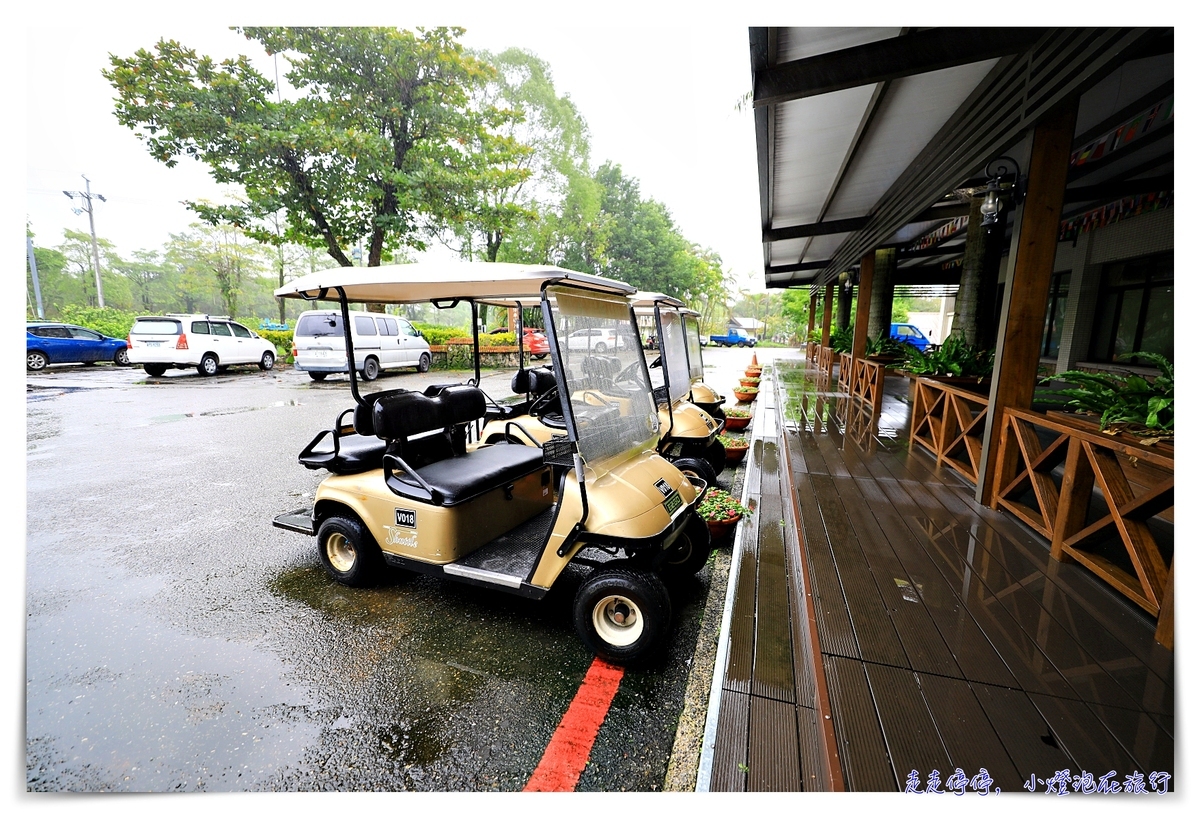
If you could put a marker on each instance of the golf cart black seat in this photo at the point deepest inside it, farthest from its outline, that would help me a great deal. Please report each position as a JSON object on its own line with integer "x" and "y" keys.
{"x": 414, "y": 470}
{"x": 601, "y": 368}
{"x": 355, "y": 449}
{"x": 538, "y": 382}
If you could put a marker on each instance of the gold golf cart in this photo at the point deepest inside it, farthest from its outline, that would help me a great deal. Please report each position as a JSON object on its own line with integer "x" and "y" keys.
{"x": 413, "y": 484}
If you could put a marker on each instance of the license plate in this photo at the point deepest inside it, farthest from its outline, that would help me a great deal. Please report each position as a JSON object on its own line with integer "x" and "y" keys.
{"x": 320, "y": 353}
{"x": 672, "y": 503}
{"x": 154, "y": 343}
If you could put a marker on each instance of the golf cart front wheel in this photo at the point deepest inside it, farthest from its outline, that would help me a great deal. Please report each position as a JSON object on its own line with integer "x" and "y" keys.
{"x": 348, "y": 551}
{"x": 690, "y": 551}
{"x": 697, "y": 467}
{"x": 621, "y": 614}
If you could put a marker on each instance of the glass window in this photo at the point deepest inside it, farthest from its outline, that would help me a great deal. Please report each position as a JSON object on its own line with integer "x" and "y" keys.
{"x": 316, "y": 325}
{"x": 155, "y": 326}
{"x": 363, "y": 325}
{"x": 1135, "y": 311}
{"x": 52, "y": 332}
{"x": 84, "y": 334}
{"x": 1056, "y": 309}
{"x": 240, "y": 331}
{"x": 220, "y": 328}
{"x": 200, "y": 327}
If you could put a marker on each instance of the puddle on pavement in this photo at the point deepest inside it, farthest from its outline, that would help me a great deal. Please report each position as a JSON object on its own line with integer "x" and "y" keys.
{"x": 214, "y": 413}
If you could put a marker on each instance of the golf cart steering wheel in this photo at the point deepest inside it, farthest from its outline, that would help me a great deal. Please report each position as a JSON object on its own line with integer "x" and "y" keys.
{"x": 657, "y": 364}
{"x": 543, "y": 400}
{"x": 628, "y": 372}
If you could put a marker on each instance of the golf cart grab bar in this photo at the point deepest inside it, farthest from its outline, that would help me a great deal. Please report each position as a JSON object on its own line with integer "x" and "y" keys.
{"x": 700, "y": 485}
{"x": 389, "y": 475}
{"x": 523, "y": 431}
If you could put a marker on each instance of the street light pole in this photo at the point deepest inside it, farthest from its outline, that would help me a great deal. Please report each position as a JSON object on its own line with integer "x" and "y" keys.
{"x": 86, "y": 195}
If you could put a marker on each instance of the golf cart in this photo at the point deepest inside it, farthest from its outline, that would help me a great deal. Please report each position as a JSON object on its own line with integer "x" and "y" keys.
{"x": 689, "y": 439}
{"x": 414, "y": 486}
{"x": 702, "y": 394}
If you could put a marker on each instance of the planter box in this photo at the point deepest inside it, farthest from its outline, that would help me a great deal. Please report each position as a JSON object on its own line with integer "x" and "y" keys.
{"x": 735, "y": 456}
{"x": 745, "y": 397}
{"x": 721, "y": 531}
{"x": 733, "y": 424}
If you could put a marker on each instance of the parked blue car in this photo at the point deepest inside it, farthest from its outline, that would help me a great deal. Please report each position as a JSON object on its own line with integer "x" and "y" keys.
{"x": 51, "y": 343}
{"x": 909, "y": 334}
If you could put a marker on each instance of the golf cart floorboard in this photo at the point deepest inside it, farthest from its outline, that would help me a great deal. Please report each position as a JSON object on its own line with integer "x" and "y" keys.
{"x": 515, "y": 553}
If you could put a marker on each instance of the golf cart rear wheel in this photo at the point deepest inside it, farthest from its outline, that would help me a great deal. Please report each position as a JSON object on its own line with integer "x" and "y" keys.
{"x": 698, "y": 467}
{"x": 715, "y": 455}
{"x": 690, "y": 551}
{"x": 349, "y": 552}
{"x": 621, "y": 614}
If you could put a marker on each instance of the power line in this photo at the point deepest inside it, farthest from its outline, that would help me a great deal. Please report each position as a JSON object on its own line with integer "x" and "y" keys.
{"x": 87, "y": 196}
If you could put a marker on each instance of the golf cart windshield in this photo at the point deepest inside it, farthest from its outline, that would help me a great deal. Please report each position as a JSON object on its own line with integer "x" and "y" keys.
{"x": 604, "y": 370}
{"x": 674, "y": 354}
{"x": 691, "y": 329}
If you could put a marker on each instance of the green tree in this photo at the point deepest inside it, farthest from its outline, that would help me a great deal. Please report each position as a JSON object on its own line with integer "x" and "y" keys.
{"x": 373, "y": 147}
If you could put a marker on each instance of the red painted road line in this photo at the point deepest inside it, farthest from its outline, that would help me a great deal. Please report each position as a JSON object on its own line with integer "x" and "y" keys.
{"x": 571, "y": 744}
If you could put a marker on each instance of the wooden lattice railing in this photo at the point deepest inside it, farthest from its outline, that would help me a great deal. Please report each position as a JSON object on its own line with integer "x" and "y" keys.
{"x": 845, "y": 368}
{"x": 1092, "y": 460}
{"x": 949, "y": 422}
{"x": 825, "y": 360}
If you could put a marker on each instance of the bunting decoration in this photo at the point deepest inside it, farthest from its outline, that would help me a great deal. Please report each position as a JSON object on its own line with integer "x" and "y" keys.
{"x": 941, "y": 234}
{"x": 1148, "y": 120}
{"x": 1069, "y": 229}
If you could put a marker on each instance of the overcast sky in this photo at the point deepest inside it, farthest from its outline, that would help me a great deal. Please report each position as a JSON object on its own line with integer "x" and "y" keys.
{"x": 661, "y": 102}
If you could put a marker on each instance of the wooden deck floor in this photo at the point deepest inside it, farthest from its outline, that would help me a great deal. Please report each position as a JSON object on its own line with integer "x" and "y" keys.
{"x": 945, "y": 637}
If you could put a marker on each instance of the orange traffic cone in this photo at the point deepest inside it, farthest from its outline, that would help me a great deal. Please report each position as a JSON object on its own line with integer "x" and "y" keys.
{"x": 754, "y": 359}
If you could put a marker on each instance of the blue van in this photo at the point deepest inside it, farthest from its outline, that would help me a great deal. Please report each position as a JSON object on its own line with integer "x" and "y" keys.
{"x": 909, "y": 334}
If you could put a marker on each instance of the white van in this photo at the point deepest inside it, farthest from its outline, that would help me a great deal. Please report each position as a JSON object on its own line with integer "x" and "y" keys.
{"x": 380, "y": 342}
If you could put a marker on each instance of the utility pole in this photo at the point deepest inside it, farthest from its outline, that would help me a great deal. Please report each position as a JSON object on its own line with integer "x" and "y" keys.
{"x": 86, "y": 195}
{"x": 37, "y": 287}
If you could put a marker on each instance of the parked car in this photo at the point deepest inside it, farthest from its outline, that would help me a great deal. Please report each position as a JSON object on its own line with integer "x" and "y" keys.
{"x": 596, "y": 340}
{"x": 535, "y": 341}
{"x": 909, "y": 334}
{"x": 210, "y": 343}
{"x": 53, "y": 343}
{"x": 380, "y": 342}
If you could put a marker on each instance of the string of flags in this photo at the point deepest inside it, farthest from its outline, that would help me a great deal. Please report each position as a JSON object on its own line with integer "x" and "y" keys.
{"x": 941, "y": 234}
{"x": 1148, "y": 120}
{"x": 1069, "y": 229}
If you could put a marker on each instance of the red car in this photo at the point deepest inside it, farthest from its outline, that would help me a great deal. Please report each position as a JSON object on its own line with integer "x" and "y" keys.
{"x": 535, "y": 341}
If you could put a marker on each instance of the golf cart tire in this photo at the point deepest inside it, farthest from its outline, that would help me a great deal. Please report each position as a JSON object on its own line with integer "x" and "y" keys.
{"x": 318, "y": 376}
{"x": 715, "y": 455}
{"x": 690, "y": 551}
{"x": 348, "y": 551}
{"x": 616, "y": 592}
{"x": 699, "y": 467}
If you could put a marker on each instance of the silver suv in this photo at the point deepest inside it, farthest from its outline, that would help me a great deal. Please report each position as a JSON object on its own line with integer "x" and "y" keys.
{"x": 210, "y": 343}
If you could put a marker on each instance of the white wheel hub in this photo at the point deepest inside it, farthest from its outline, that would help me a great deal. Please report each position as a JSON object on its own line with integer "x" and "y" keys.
{"x": 617, "y": 620}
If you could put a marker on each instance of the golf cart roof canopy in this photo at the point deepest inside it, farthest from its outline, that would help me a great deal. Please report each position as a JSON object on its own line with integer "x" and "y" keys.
{"x": 645, "y": 299}
{"x": 442, "y": 280}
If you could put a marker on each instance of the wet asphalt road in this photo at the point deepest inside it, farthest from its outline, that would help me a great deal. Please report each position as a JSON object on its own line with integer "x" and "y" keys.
{"x": 176, "y": 640}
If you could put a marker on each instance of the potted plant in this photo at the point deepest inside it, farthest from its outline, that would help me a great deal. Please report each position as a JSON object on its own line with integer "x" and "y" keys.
{"x": 750, "y": 381}
{"x": 721, "y": 512}
{"x": 737, "y": 419}
{"x": 885, "y": 349}
{"x": 954, "y": 361}
{"x": 746, "y": 394}
{"x": 753, "y": 371}
{"x": 1121, "y": 403}
{"x": 735, "y": 448}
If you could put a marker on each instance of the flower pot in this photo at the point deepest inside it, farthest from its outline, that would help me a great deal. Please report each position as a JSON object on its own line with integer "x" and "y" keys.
{"x": 721, "y": 530}
{"x": 753, "y": 371}
{"x": 745, "y": 397}
{"x": 749, "y": 381}
{"x": 733, "y": 456}
{"x": 733, "y": 424}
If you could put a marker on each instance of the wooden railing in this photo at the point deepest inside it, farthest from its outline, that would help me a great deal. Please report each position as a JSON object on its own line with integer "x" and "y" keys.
{"x": 949, "y": 421}
{"x": 866, "y": 382}
{"x": 1115, "y": 466}
{"x": 825, "y": 360}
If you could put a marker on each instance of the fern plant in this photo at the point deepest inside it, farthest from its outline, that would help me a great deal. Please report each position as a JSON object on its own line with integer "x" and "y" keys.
{"x": 1120, "y": 400}
{"x": 955, "y": 358}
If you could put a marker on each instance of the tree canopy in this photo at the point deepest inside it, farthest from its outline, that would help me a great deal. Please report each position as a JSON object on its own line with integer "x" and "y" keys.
{"x": 380, "y": 143}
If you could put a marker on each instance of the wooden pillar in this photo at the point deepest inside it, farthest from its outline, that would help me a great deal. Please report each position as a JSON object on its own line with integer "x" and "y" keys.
{"x": 827, "y": 319}
{"x": 812, "y": 313}
{"x": 1034, "y": 244}
{"x": 863, "y": 315}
